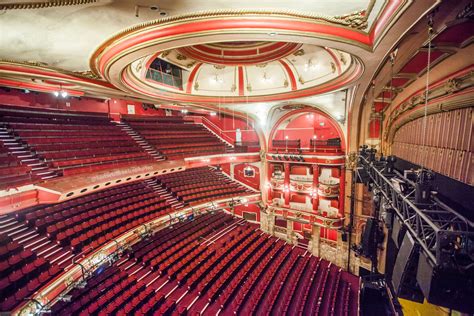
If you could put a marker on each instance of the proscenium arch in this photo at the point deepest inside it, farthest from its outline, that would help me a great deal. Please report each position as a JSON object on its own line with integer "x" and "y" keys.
{"x": 307, "y": 110}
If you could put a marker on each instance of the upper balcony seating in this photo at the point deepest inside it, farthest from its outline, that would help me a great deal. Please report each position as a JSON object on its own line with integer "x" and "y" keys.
{"x": 13, "y": 172}
{"x": 175, "y": 137}
{"x": 215, "y": 264}
{"x": 73, "y": 142}
{"x": 201, "y": 185}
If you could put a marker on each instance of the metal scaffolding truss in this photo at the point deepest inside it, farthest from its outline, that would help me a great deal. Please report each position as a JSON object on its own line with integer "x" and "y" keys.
{"x": 444, "y": 235}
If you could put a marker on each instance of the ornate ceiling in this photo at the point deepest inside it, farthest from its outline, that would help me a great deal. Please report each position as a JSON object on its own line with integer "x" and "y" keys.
{"x": 245, "y": 71}
{"x": 234, "y": 55}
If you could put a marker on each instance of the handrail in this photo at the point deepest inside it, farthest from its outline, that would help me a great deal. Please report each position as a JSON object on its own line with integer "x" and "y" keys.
{"x": 213, "y": 127}
{"x": 63, "y": 283}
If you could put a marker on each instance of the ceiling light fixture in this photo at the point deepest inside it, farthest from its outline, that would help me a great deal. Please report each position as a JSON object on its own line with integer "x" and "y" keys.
{"x": 216, "y": 79}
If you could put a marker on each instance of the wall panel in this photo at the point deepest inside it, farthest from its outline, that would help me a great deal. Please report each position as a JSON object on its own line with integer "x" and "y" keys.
{"x": 446, "y": 147}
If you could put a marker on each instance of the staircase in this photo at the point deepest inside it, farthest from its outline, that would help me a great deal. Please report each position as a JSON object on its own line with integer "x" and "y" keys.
{"x": 163, "y": 192}
{"x": 39, "y": 168}
{"x": 150, "y": 150}
{"x": 41, "y": 245}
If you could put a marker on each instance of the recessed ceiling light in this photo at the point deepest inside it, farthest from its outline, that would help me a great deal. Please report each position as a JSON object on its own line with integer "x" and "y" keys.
{"x": 272, "y": 33}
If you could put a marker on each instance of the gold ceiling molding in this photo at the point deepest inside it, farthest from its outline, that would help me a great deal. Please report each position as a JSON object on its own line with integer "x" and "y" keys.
{"x": 87, "y": 74}
{"x": 417, "y": 102}
{"x": 351, "y": 20}
{"x": 43, "y": 4}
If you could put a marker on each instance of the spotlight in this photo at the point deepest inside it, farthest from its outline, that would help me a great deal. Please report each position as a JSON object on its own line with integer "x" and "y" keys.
{"x": 213, "y": 113}
{"x": 56, "y": 93}
{"x": 27, "y": 91}
{"x": 63, "y": 94}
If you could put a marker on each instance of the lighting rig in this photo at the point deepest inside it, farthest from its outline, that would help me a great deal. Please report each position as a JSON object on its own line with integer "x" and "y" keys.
{"x": 434, "y": 244}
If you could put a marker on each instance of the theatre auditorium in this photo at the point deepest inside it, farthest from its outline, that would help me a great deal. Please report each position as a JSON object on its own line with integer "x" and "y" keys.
{"x": 221, "y": 158}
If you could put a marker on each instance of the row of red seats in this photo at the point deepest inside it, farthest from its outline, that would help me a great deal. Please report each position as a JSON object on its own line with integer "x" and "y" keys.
{"x": 160, "y": 253}
{"x": 240, "y": 272}
{"x": 48, "y": 133}
{"x": 281, "y": 278}
{"x": 154, "y": 131}
{"x": 283, "y": 302}
{"x": 261, "y": 287}
{"x": 21, "y": 272}
{"x": 201, "y": 185}
{"x": 255, "y": 264}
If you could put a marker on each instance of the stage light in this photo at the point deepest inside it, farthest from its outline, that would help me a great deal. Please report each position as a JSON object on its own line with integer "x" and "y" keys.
{"x": 213, "y": 113}
{"x": 184, "y": 111}
{"x": 56, "y": 93}
{"x": 64, "y": 94}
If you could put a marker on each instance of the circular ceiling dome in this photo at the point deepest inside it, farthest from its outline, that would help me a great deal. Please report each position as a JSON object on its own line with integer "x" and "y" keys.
{"x": 256, "y": 70}
{"x": 239, "y": 53}
{"x": 211, "y": 60}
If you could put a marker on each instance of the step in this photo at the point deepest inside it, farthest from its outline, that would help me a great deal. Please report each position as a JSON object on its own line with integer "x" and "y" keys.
{"x": 5, "y": 220}
{"x": 49, "y": 177}
{"x": 10, "y": 226}
{"x": 13, "y": 233}
{"x": 43, "y": 247}
{"x": 34, "y": 243}
{"x": 27, "y": 236}
{"x": 64, "y": 261}
{"x": 53, "y": 252}
{"x": 61, "y": 256}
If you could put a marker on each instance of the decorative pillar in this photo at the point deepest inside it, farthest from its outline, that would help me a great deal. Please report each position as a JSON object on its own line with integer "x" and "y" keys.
{"x": 268, "y": 183}
{"x": 286, "y": 184}
{"x": 290, "y": 234}
{"x": 315, "y": 241}
{"x": 342, "y": 186}
{"x": 341, "y": 252}
{"x": 315, "y": 187}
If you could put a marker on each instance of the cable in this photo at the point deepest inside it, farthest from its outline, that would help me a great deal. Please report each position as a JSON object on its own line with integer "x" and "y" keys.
{"x": 428, "y": 68}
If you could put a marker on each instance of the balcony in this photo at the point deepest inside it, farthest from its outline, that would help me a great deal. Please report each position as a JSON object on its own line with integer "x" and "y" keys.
{"x": 329, "y": 188}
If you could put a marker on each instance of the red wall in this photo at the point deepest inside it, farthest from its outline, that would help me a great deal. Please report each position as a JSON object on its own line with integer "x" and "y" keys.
{"x": 251, "y": 208}
{"x": 48, "y": 101}
{"x": 228, "y": 125}
{"x": 305, "y": 126}
{"x": 374, "y": 128}
{"x": 252, "y": 182}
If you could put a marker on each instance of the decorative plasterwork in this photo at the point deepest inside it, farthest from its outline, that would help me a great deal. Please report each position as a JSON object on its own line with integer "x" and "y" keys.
{"x": 40, "y": 77}
{"x": 42, "y": 4}
{"x": 450, "y": 94}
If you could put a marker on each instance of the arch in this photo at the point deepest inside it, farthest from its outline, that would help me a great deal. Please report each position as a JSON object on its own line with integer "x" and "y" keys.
{"x": 306, "y": 110}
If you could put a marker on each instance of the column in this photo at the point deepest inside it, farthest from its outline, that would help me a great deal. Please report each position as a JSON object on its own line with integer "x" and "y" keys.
{"x": 315, "y": 187}
{"x": 341, "y": 252}
{"x": 286, "y": 184}
{"x": 268, "y": 183}
{"x": 342, "y": 186}
{"x": 315, "y": 238}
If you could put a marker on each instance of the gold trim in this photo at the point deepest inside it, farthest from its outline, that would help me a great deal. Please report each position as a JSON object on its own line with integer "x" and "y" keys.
{"x": 42, "y": 5}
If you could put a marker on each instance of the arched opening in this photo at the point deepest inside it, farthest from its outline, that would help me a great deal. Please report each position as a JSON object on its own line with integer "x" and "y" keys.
{"x": 309, "y": 131}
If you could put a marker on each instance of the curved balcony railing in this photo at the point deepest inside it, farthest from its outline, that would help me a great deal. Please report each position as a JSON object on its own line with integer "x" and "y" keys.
{"x": 329, "y": 187}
